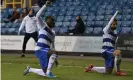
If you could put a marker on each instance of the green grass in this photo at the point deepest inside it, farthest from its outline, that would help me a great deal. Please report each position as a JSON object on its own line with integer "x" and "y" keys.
{"x": 70, "y": 68}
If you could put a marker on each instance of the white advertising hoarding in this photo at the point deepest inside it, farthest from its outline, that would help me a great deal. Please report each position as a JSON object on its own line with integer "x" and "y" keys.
{"x": 62, "y": 43}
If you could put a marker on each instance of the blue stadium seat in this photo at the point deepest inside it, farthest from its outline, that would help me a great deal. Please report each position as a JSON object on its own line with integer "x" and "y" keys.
{"x": 58, "y": 24}
{"x": 91, "y": 18}
{"x": 126, "y": 23}
{"x": 118, "y": 17}
{"x": 48, "y": 13}
{"x": 54, "y": 13}
{"x": 50, "y": 8}
{"x": 100, "y": 12}
{"x": 126, "y": 11}
{"x": 109, "y": 7}
{"x": 99, "y": 18}
{"x": 56, "y": 29}
{"x": 126, "y": 17}
{"x": 69, "y": 13}
{"x": 126, "y": 30}
{"x": 97, "y": 31}
{"x": 72, "y": 24}
{"x": 63, "y": 30}
{"x": 68, "y": 4}
{"x": 119, "y": 23}
{"x": 78, "y": 8}
{"x": 107, "y": 17}
{"x": 131, "y": 30}
{"x": 132, "y": 18}
{"x": 12, "y": 31}
{"x": 105, "y": 23}
{"x": 85, "y": 9}
{"x": 3, "y": 25}
{"x": 88, "y": 30}
{"x": 66, "y": 24}
{"x": 61, "y": 13}
{"x": 90, "y": 23}
{"x": 102, "y": 7}
{"x": 8, "y": 25}
{"x": 76, "y": 13}
{"x": 62, "y": 4}
{"x": 16, "y": 25}
{"x": 71, "y": 8}
{"x": 99, "y": 23}
{"x": 4, "y": 31}
{"x": 84, "y": 18}
{"x": 20, "y": 10}
{"x": 109, "y": 12}
{"x": 64, "y": 9}
{"x": 60, "y": 18}
{"x": 75, "y": 3}
{"x": 67, "y": 18}
{"x": 84, "y": 13}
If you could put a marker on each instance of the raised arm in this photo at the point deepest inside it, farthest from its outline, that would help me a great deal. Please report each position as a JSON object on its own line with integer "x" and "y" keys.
{"x": 22, "y": 25}
{"x": 106, "y": 29}
{"x": 40, "y": 22}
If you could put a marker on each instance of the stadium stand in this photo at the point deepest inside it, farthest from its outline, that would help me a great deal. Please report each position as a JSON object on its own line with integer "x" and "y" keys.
{"x": 95, "y": 15}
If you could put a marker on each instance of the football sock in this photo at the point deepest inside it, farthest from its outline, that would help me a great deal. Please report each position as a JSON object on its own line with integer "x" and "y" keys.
{"x": 99, "y": 69}
{"x": 37, "y": 71}
{"x": 117, "y": 62}
{"x": 51, "y": 62}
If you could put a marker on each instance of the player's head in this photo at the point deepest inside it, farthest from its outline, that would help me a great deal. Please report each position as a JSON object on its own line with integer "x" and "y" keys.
{"x": 31, "y": 13}
{"x": 25, "y": 10}
{"x": 50, "y": 21}
{"x": 114, "y": 24}
{"x": 78, "y": 18}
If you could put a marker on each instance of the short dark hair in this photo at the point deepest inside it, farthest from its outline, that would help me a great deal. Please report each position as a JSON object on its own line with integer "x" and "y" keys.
{"x": 49, "y": 17}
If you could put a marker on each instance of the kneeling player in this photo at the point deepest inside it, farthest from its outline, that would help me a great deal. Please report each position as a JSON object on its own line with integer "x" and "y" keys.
{"x": 45, "y": 39}
{"x": 108, "y": 50}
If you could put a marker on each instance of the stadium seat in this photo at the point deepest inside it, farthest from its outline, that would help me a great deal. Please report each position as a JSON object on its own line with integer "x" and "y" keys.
{"x": 60, "y": 18}
{"x": 50, "y": 9}
{"x": 109, "y": 7}
{"x": 102, "y": 7}
{"x": 125, "y": 23}
{"x": 88, "y": 30}
{"x": 57, "y": 24}
{"x": 4, "y": 31}
{"x": 69, "y": 13}
{"x": 97, "y": 31}
{"x": 100, "y": 12}
{"x": 107, "y": 17}
{"x": 99, "y": 23}
{"x": 76, "y": 13}
{"x": 48, "y": 13}
{"x": 109, "y": 12}
{"x": 119, "y": 23}
{"x": 3, "y": 25}
{"x": 62, "y": 4}
{"x": 75, "y": 3}
{"x": 78, "y": 8}
{"x": 99, "y": 18}
{"x": 67, "y": 18}
{"x": 84, "y": 13}
{"x": 126, "y": 17}
{"x": 16, "y": 25}
{"x": 71, "y": 8}
{"x": 126, "y": 30}
{"x": 84, "y": 18}
{"x": 118, "y": 17}
{"x": 54, "y": 13}
{"x": 68, "y": 4}
{"x": 91, "y": 18}
{"x": 90, "y": 23}
{"x": 64, "y": 9}
{"x": 56, "y": 29}
{"x": 126, "y": 11}
{"x": 61, "y": 13}
{"x": 66, "y": 24}
{"x": 8, "y": 25}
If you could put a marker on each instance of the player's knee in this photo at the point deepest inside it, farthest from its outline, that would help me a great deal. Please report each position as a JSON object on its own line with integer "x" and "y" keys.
{"x": 117, "y": 53}
{"x": 109, "y": 70}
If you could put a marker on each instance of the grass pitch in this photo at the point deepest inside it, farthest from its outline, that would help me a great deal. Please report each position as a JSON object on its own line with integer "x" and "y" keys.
{"x": 70, "y": 68}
